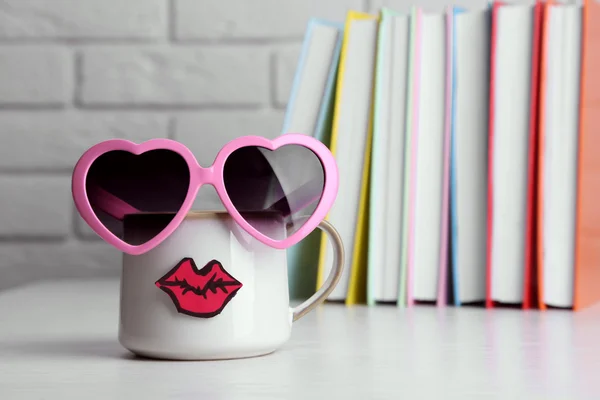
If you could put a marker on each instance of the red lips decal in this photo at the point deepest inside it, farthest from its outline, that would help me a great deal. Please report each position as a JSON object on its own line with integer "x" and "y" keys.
{"x": 200, "y": 293}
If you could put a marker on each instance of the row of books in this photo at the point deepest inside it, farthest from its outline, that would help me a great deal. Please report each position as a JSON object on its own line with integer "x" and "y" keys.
{"x": 468, "y": 145}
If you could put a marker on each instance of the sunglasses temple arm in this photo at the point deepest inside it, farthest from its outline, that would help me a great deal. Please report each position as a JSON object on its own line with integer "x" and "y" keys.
{"x": 110, "y": 204}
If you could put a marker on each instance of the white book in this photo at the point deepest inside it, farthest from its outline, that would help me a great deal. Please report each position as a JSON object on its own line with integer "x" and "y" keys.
{"x": 353, "y": 123}
{"x": 561, "y": 134}
{"x": 387, "y": 168}
{"x": 429, "y": 157}
{"x": 472, "y": 31}
{"x": 512, "y": 90}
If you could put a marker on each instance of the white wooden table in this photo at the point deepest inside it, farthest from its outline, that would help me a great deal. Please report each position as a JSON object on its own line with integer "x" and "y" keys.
{"x": 59, "y": 341}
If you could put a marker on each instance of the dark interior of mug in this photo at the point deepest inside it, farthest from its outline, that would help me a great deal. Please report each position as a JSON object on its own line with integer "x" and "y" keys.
{"x": 120, "y": 183}
{"x": 141, "y": 227}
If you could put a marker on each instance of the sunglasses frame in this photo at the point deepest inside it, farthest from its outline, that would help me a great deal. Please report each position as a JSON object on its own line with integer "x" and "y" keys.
{"x": 200, "y": 176}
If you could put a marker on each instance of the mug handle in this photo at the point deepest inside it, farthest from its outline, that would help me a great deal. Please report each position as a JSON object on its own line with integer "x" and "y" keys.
{"x": 334, "y": 275}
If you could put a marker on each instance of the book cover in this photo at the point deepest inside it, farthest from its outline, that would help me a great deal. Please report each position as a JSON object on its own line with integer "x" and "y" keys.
{"x": 303, "y": 257}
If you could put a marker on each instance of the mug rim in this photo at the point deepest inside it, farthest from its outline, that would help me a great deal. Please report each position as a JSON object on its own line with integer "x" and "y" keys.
{"x": 197, "y": 214}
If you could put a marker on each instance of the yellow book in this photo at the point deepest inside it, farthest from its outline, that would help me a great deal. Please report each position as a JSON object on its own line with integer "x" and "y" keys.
{"x": 351, "y": 139}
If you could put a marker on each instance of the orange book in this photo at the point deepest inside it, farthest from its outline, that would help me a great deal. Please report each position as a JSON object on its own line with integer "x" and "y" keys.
{"x": 587, "y": 235}
{"x": 583, "y": 255}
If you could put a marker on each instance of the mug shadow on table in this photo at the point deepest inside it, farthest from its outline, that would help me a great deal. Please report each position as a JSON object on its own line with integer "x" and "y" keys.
{"x": 67, "y": 348}
{"x": 77, "y": 348}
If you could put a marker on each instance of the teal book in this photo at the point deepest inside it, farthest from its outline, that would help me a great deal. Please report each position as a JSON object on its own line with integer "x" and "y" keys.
{"x": 453, "y": 198}
{"x": 310, "y": 111}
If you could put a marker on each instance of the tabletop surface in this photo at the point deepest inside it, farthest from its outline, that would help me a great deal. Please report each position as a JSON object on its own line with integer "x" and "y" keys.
{"x": 51, "y": 349}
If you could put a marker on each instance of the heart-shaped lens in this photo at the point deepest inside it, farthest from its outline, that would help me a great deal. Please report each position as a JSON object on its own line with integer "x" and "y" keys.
{"x": 275, "y": 191}
{"x": 137, "y": 196}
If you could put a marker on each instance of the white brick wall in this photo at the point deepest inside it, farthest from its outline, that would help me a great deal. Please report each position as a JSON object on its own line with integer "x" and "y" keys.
{"x": 83, "y": 19}
{"x": 172, "y": 77}
{"x": 76, "y": 72}
{"x": 32, "y": 76}
{"x": 263, "y": 19}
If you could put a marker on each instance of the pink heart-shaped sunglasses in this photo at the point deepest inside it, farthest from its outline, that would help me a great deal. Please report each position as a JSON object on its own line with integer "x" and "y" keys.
{"x": 276, "y": 190}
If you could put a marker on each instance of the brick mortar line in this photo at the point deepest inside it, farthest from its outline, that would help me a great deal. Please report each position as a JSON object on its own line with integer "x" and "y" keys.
{"x": 81, "y": 237}
{"x": 166, "y": 108}
{"x": 75, "y": 231}
{"x": 279, "y": 107}
{"x": 77, "y": 78}
{"x": 32, "y": 239}
{"x": 241, "y": 41}
{"x": 171, "y": 21}
{"x": 272, "y": 79}
{"x": 66, "y": 42}
{"x": 66, "y": 241}
{"x": 170, "y": 43}
{"x": 171, "y": 127}
{"x": 37, "y": 172}
{"x": 9, "y": 107}
{"x": 125, "y": 110}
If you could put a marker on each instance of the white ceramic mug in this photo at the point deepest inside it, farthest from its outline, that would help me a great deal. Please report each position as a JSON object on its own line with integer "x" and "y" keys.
{"x": 211, "y": 291}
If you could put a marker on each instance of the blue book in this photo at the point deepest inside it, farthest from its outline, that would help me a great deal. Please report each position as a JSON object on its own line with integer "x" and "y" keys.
{"x": 468, "y": 159}
{"x": 310, "y": 111}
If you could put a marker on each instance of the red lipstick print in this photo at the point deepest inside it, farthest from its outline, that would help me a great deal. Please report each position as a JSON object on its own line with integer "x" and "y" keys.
{"x": 200, "y": 293}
